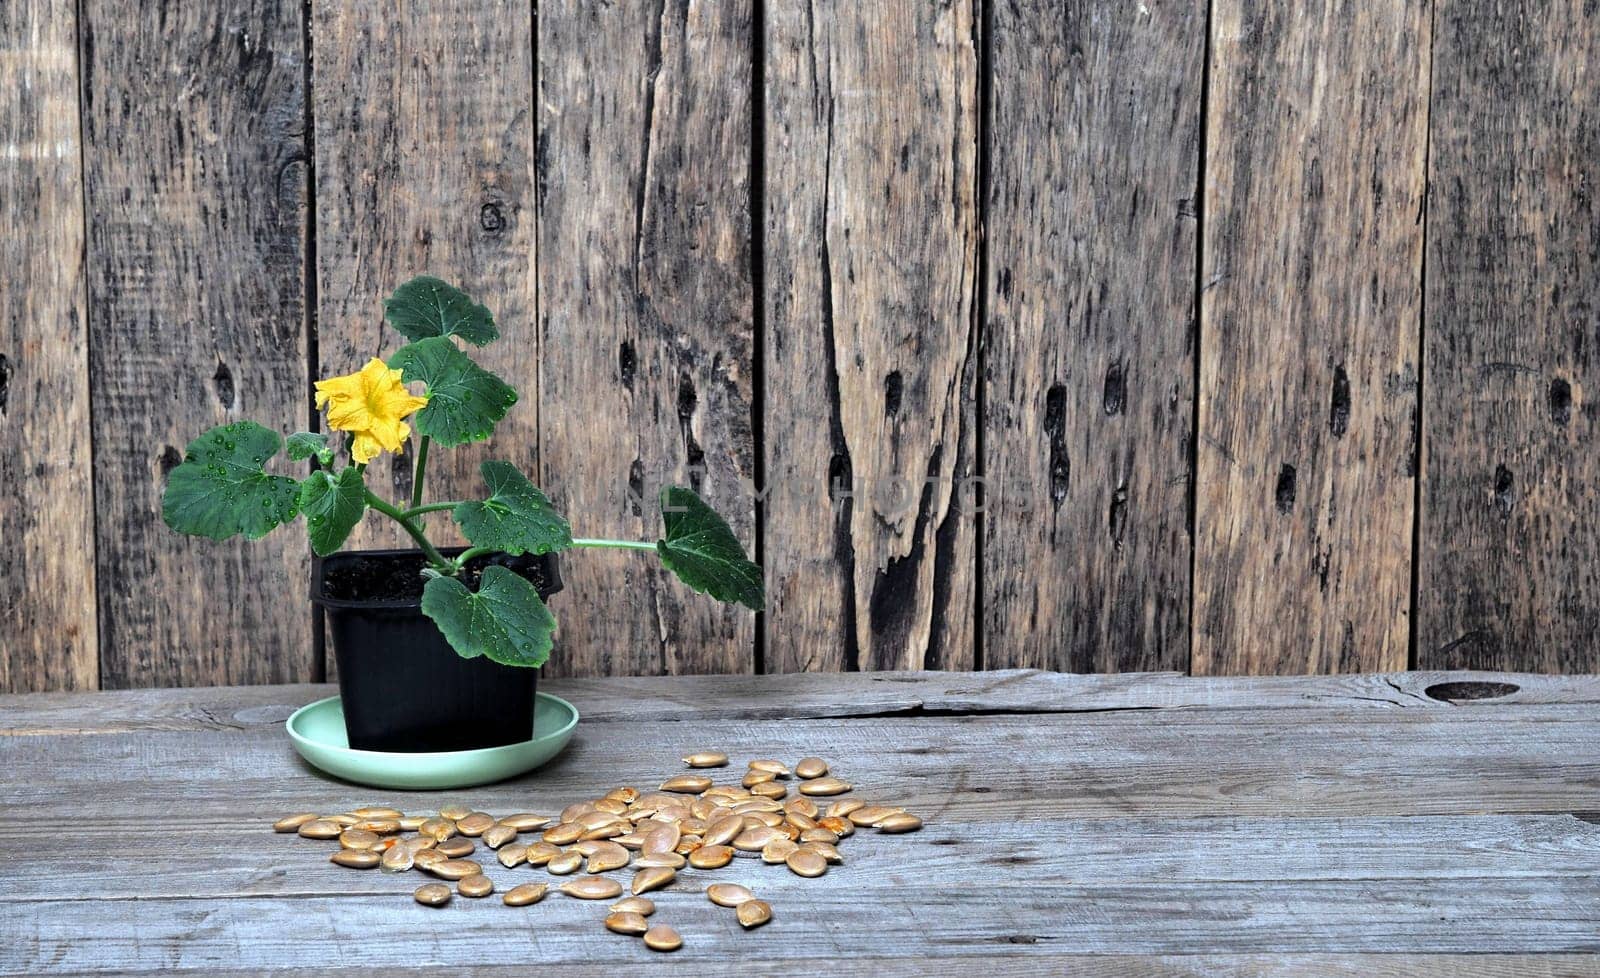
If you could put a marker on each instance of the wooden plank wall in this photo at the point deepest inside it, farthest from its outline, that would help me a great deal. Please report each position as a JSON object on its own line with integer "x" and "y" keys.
{"x": 1209, "y": 335}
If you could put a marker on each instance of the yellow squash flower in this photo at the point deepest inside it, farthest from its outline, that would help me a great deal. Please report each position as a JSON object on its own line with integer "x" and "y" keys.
{"x": 370, "y": 404}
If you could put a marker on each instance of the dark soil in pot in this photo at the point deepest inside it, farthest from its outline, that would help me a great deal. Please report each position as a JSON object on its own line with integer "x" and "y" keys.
{"x": 402, "y": 686}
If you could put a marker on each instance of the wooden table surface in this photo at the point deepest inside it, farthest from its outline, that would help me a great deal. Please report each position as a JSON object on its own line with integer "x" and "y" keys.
{"x": 1142, "y": 825}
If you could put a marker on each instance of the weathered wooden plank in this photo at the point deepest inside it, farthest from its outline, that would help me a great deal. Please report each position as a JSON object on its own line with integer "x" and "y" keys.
{"x": 871, "y": 245}
{"x": 424, "y": 116}
{"x": 203, "y": 861}
{"x": 1003, "y": 963}
{"x": 796, "y": 696}
{"x": 893, "y": 912}
{"x": 47, "y": 598}
{"x": 645, "y": 315}
{"x": 1180, "y": 763}
{"x": 1509, "y": 520}
{"x": 1089, "y": 377}
{"x": 195, "y": 173}
{"x": 1314, "y": 172}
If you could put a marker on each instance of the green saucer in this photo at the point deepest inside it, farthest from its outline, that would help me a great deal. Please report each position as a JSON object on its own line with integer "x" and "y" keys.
{"x": 317, "y": 730}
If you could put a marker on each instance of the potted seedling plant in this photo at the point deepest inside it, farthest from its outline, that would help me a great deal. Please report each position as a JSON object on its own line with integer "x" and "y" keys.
{"x": 438, "y": 649}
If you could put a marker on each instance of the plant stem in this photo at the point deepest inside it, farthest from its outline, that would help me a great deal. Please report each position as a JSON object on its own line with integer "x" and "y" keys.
{"x": 470, "y": 553}
{"x": 433, "y": 555}
{"x": 615, "y": 544}
{"x": 429, "y": 508}
{"x": 419, "y": 472}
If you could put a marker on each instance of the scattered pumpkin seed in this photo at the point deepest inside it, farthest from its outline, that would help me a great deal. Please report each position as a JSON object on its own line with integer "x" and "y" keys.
{"x": 652, "y": 878}
{"x": 777, "y": 768}
{"x": 355, "y": 858}
{"x": 398, "y": 859}
{"x": 807, "y": 862}
{"x": 592, "y": 888}
{"x": 456, "y": 847}
{"x": 711, "y": 857}
{"x": 455, "y": 813}
{"x": 432, "y": 894}
{"x": 475, "y": 824}
{"x": 358, "y": 839}
{"x": 524, "y": 894}
{"x": 643, "y": 906}
{"x": 626, "y": 922}
{"x": 320, "y": 828}
{"x": 689, "y": 784}
{"x": 728, "y": 894}
{"x": 900, "y": 822}
{"x": 498, "y": 835}
{"x": 824, "y": 786}
{"x": 777, "y": 851}
{"x": 524, "y": 821}
{"x": 662, "y": 938}
{"x": 292, "y": 823}
{"x": 810, "y": 767}
{"x": 753, "y": 913}
{"x": 455, "y": 869}
{"x": 707, "y": 758}
{"x": 476, "y": 885}
{"x": 564, "y": 864}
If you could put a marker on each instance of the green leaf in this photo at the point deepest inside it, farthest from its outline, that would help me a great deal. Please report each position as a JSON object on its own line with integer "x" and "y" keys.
{"x": 220, "y": 489}
{"x": 304, "y": 444}
{"x": 426, "y": 306}
{"x": 464, "y": 400}
{"x": 333, "y": 506}
{"x": 504, "y": 620}
{"x": 516, "y": 518}
{"x": 704, "y": 553}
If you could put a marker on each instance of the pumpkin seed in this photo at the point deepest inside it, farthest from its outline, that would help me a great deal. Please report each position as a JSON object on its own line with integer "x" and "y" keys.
{"x": 455, "y": 813}
{"x": 540, "y": 853}
{"x": 872, "y": 814}
{"x": 455, "y": 869}
{"x": 811, "y": 767}
{"x": 610, "y": 806}
{"x": 819, "y": 835}
{"x": 432, "y": 894}
{"x": 707, "y": 758}
{"x": 660, "y": 860}
{"x": 398, "y": 859}
{"x": 380, "y": 826}
{"x": 770, "y": 767}
{"x": 320, "y": 828}
{"x": 799, "y": 821}
{"x": 777, "y": 851}
{"x": 410, "y": 823}
{"x": 344, "y": 821}
{"x": 824, "y": 786}
{"x": 496, "y": 836}
{"x": 355, "y": 858}
{"x": 662, "y": 938}
{"x": 567, "y": 862}
{"x": 292, "y": 823}
{"x": 475, "y": 824}
{"x": 416, "y": 843}
{"x": 900, "y": 822}
{"x": 456, "y": 848}
{"x": 626, "y": 922}
{"x": 625, "y": 795}
{"x": 807, "y": 862}
{"x": 840, "y": 827}
{"x": 826, "y": 850}
{"x": 753, "y": 778}
{"x": 728, "y": 894}
{"x": 652, "y": 878}
{"x": 358, "y": 839}
{"x": 803, "y": 805}
{"x": 428, "y": 857}
{"x": 513, "y": 855}
{"x": 753, "y": 840}
{"x": 723, "y": 830}
{"x": 564, "y": 834}
{"x": 662, "y": 838}
{"x": 711, "y": 857}
{"x": 592, "y": 888}
{"x": 377, "y": 813}
{"x": 688, "y": 784}
{"x": 769, "y": 789}
{"x": 753, "y": 913}
{"x": 438, "y": 829}
{"x": 523, "y": 821}
{"x": 643, "y": 906}
{"x": 608, "y": 831}
{"x": 611, "y": 857}
{"x": 476, "y": 885}
{"x": 524, "y": 894}
{"x": 843, "y": 807}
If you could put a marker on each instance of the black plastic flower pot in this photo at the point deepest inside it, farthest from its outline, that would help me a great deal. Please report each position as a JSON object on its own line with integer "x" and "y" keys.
{"x": 402, "y": 686}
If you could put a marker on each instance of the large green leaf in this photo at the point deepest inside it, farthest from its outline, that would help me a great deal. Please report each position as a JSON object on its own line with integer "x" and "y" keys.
{"x": 516, "y": 518}
{"x": 333, "y": 505}
{"x": 504, "y": 620}
{"x": 426, "y": 306}
{"x": 464, "y": 400}
{"x": 304, "y": 444}
{"x": 221, "y": 489}
{"x": 704, "y": 553}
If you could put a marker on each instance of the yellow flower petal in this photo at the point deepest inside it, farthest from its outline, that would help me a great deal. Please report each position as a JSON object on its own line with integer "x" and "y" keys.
{"x": 369, "y": 403}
